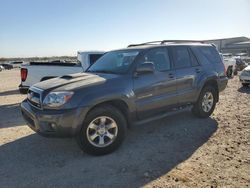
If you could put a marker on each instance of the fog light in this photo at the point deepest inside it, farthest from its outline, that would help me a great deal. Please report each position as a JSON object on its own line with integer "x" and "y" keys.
{"x": 53, "y": 125}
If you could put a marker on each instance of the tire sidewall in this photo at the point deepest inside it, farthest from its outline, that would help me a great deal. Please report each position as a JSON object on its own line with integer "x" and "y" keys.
{"x": 108, "y": 111}
{"x": 198, "y": 106}
{"x": 229, "y": 72}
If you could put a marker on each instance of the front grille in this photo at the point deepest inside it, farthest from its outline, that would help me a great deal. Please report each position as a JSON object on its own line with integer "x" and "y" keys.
{"x": 34, "y": 97}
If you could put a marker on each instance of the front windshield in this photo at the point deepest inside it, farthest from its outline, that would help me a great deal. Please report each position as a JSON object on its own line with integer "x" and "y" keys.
{"x": 116, "y": 62}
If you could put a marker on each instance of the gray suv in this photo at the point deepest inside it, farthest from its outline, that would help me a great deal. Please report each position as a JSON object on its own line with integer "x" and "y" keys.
{"x": 132, "y": 85}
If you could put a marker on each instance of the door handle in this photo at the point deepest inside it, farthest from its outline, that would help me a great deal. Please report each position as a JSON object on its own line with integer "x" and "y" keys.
{"x": 197, "y": 70}
{"x": 171, "y": 75}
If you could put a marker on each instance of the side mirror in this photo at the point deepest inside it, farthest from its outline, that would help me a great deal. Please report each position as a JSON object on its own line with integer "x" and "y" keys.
{"x": 145, "y": 68}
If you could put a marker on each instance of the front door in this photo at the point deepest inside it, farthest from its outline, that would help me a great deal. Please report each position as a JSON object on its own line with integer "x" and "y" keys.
{"x": 155, "y": 92}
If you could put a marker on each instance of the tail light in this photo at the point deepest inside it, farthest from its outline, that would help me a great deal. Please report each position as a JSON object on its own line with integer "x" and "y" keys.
{"x": 24, "y": 74}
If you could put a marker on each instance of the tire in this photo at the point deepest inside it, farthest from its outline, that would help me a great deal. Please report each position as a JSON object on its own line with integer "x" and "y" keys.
{"x": 198, "y": 109}
{"x": 245, "y": 84}
{"x": 229, "y": 72}
{"x": 23, "y": 90}
{"x": 92, "y": 129}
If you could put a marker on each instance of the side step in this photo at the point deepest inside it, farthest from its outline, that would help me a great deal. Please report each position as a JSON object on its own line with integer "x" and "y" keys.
{"x": 172, "y": 111}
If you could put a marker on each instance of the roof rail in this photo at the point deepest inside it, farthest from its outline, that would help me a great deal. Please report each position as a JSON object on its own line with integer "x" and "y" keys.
{"x": 181, "y": 41}
{"x": 145, "y": 43}
{"x": 165, "y": 41}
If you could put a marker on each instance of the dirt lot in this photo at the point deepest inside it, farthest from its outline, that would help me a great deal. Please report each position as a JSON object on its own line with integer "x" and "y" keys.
{"x": 178, "y": 151}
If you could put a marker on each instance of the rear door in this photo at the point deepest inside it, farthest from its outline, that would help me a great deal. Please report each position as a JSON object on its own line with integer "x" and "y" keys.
{"x": 155, "y": 92}
{"x": 187, "y": 70}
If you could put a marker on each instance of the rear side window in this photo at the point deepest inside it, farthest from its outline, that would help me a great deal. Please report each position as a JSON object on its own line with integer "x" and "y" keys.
{"x": 181, "y": 57}
{"x": 160, "y": 58}
{"x": 207, "y": 54}
{"x": 193, "y": 59}
{"x": 94, "y": 57}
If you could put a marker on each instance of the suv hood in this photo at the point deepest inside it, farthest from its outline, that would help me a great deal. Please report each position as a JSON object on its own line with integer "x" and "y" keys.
{"x": 74, "y": 81}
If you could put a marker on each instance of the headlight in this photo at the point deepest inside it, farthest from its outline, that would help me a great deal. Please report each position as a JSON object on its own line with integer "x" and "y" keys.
{"x": 57, "y": 99}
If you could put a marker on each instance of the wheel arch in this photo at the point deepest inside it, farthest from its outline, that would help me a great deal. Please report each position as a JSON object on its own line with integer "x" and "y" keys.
{"x": 119, "y": 104}
{"x": 213, "y": 83}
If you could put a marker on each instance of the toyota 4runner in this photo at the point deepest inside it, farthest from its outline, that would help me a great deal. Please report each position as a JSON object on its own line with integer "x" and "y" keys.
{"x": 132, "y": 85}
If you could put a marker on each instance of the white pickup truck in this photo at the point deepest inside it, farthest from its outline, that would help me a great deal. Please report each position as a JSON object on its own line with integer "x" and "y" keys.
{"x": 35, "y": 72}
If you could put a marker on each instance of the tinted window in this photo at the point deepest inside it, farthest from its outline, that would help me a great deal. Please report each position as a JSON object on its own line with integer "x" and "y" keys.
{"x": 193, "y": 59}
{"x": 207, "y": 54}
{"x": 181, "y": 57}
{"x": 160, "y": 58}
{"x": 94, "y": 57}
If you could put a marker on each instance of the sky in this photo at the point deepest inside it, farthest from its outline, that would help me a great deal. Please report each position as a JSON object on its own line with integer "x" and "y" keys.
{"x": 31, "y": 28}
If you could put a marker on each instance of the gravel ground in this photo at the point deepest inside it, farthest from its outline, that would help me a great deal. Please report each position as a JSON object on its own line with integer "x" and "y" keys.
{"x": 178, "y": 151}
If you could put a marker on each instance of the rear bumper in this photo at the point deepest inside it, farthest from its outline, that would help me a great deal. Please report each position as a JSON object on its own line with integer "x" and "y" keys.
{"x": 54, "y": 123}
{"x": 23, "y": 89}
{"x": 222, "y": 83}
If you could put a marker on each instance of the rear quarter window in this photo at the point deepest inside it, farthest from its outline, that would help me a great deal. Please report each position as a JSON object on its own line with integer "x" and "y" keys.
{"x": 207, "y": 54}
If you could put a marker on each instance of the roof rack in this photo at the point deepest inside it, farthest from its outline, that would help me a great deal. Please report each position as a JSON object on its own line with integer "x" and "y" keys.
{"x": 166, "y": 41}
{"x": 146, "y": 43}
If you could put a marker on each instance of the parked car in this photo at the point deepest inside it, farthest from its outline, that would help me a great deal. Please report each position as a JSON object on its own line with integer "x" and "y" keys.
{"x": 246, "y": 59}
{"x": 1, "y": 68}
{"x": 230, "y": 64}
{"x": 16, "y": 64}
{"x": 7, "y": 66}
{"x": 132, "y": 85}
{"x": 240, "y": 64}
{"x": 245, "y": 76}
{"x": 35, "y": 72}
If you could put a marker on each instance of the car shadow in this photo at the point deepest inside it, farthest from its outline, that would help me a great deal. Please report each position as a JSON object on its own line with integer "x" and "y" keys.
{"x": 154, "y": 148}
{"x": 10, "y": 116}
{"x": 11, "y": 92}
{"x": 244, "y": 90}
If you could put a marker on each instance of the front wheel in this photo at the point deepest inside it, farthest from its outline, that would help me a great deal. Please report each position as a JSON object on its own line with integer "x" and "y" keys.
{"x": 103, "y": 130}
{"x": 205, "y": 105}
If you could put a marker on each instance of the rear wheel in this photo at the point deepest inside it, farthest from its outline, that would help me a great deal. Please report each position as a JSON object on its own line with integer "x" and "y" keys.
{"x": 205, "y": 105}
{"x": 245, "y": 84}
{"x": 229, "y": 72}
{"x": 103, "y": 131}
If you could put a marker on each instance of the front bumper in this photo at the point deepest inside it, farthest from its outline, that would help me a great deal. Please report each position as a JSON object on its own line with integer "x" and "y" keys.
{"x": 55, "y": 123}
{"x": 245, "y": 79}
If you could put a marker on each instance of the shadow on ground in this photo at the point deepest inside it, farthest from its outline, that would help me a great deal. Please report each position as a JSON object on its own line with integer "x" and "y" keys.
{"x": 156, "y": 148}
{"x": 244, "y": 90}
{"x": 10, "y": 115}
{"x": 11, "y": 92}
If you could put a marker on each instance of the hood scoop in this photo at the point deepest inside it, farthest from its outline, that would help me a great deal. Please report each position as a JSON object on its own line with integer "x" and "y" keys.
{"x": 67, "y": 77}
{"x": 72, "y": 76}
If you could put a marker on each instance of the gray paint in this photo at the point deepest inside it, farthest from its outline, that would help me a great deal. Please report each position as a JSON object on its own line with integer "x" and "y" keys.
{"x": 146, "y": 95}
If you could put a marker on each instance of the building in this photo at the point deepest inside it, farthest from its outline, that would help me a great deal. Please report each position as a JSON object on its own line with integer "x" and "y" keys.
{"x": 234, "y": 45}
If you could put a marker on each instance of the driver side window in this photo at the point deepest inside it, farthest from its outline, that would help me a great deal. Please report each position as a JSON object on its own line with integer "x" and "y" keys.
{"x": 159, "y": 57}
